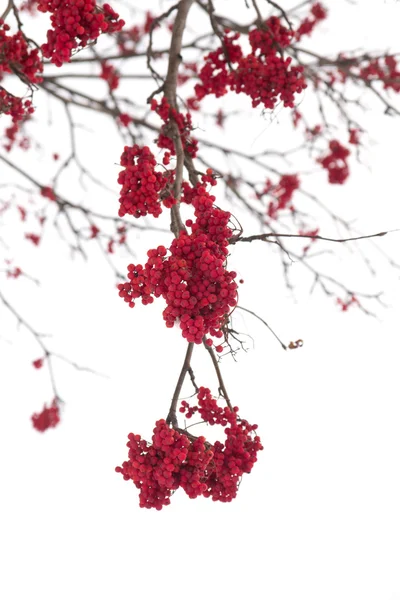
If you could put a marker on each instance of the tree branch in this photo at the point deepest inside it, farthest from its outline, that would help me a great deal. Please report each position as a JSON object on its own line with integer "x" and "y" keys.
{"x": 171, "y": 418}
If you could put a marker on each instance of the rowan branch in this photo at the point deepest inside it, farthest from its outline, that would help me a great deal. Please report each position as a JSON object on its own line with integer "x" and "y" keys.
{"x": 264, "y": 237}
{"x": 171, "y": 418}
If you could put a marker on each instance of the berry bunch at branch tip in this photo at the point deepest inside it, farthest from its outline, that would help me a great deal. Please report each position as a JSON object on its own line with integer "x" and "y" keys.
{"x": 174, "y": 459}
{"x": 141, "y": 183}
{"x": 75, "y": 24}
{"x": 16, "y": 56}
{"x": 282, "y": 194}
{"x": 49, "y": 417}
{"x": 263, "y": 74}
{"x": 318, "y": 13}
{"x": 335, "y": 162}
{"x": 19, "y": 111}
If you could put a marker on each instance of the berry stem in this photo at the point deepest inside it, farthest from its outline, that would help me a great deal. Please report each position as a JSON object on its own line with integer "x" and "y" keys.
{"x": 171, "y": 418}
{"x": 222, "y": 388}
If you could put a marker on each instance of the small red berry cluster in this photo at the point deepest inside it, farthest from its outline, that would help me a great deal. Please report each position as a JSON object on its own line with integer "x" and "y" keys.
{"x": 75, "y": 23}
{"x": 14, "y": 273}
{"x": 141, "y": 183}
{"x": 345, "y": 304}
{"x": 282, "y": 194}
{"x": 354, "y": 137}
{"x": 193, "y": 279}
{"x": 307, "y": 26}
{"x": 382, "y": 69}
{"x": 208, "y": 409}
{"x": 335, "y": 162}
{"x": 185, "y": 127}
{"x": 263, "y": 74}
{"x": 16, "y": 56}
{"x": 34, "y": 238}
{"x": 110, "y": 74}
{"x": 18, "y": 109}
{"x": 174, "y": 460}
{"x": 38, "y": 363}
{"x": 49, "y": 417}
{"x": 311, "y": 233}
{"x": 48, "y": 192}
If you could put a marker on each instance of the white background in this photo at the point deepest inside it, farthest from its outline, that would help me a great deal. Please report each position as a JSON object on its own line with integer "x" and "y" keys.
{"x": 319, "y": 516}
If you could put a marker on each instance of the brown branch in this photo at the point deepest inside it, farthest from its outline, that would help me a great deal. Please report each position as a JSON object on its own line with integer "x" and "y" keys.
{"x": 171, "y": 418}
{"x": 135, "y": 54}
{"x": 264, "y": 237}
{"x": 170, "y": 87}
{"x": 149, "y": 53}
{"x": 7, "y": 10}
{"x": 222, "y": 388}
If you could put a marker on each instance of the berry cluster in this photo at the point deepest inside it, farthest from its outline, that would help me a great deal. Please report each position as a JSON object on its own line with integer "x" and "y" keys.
{"x": 354, "y": 137}
{"x": 382, "y": 69}
{"x": 282, "y": 194}
{"x": 49, "y": 417}
{"x": 33, "y": 237}
{"x": 335, "y": 162}
{"x": 174, "y": 459}
{"x": 345, "y": 304}
{"x": 141, "y": 183}
{"x": 75, "y": 23}
{"x": 110, "y": 74}
{"x": 208, "y": 409}
{"x": 214, "y": 75}
{"x": 19, "y": 110}
{"x": 232, "y": 459}
{"x": 48, "y": 192}
{"x": 16, "y": 57}
{"x": 159, "y": 468}
{"x": 38, "y": 363}
{"x": 263, "y": 74}
{"x": 184, "y": 123}
{"x": 14, "y": 273}
{"x": 193, "y": 279}
{"x": 311, "y": 233}
{"x": 318, "y": 14}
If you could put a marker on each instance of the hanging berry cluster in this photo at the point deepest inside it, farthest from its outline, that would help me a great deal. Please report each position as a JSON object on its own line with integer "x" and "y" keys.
{"x": 75, "y": 24}
{"x": 174, "y": 459}
{"x": 282, "y": 194}
{"x": 49, "y": 417}
{"x": 317, "y": 14}
{"x": 17, "y": 57}
{"x": 335, "y": 162}
{"x": 263, "y": 74}
{"x": 110, "y": 74}
{"x": 141, "y": 183}
{"x": 19, "y": 110}
{"x": 193, "y": 279}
